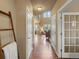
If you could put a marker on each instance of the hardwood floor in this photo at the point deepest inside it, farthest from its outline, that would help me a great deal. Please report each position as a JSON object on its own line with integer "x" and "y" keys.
{"x": 42, "y": 50}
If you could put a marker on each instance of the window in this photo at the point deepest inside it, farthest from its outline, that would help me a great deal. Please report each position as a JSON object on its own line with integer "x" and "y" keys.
{"x": 47, "y": 14}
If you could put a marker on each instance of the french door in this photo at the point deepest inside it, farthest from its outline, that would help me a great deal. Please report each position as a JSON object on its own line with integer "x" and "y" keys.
{"x": 70, "y": 35}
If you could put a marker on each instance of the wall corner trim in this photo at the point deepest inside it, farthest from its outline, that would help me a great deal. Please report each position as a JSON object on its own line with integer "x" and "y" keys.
{"x": 68, "y": 1}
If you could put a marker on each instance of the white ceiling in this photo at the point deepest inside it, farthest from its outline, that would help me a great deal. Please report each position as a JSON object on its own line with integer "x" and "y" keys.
{"x": 44, "y": 4}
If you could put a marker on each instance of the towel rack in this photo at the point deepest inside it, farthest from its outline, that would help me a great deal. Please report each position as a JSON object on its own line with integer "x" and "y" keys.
{"x": 7, "y": 29}
{"x": 10, "y": 16}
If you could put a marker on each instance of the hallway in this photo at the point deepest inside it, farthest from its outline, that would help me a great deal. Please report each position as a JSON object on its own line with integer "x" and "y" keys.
{"x": 42, "y": 50}
{"x": 29, "y": 21}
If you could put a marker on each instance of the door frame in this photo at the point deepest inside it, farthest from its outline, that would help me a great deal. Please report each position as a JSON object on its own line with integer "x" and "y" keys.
{"x": 67, "y": 55}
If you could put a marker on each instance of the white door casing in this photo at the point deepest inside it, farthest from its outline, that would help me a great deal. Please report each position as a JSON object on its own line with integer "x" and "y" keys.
{"x": 70, "y": 35}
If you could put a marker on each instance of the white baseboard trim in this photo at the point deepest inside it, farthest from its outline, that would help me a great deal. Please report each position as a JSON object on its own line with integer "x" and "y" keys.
{"x": 53, "y": 46}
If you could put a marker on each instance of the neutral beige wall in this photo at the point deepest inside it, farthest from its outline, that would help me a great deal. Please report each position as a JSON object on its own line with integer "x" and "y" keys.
{"x": 6, "y": 6}
{"x": 23, "y": 9}
{"x": 72, "y": 7}
{"x": 9, "y": 5}
{"x": 58, "y": 4}
{"x": 21, "y": 27}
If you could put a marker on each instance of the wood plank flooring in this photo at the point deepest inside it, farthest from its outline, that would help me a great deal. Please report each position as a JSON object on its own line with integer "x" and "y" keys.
{"x": 42, "y": 50}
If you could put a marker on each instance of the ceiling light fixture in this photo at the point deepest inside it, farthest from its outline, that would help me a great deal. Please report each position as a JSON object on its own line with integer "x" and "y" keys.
{"x": 39, "y": 8}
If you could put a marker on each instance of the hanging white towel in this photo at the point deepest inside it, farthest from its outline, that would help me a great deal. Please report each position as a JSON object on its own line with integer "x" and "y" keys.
{"x": 10, "y": 51}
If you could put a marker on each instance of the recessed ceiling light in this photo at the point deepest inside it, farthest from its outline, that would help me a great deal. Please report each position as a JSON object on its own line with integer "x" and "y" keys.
{"x": 39, "y": 8}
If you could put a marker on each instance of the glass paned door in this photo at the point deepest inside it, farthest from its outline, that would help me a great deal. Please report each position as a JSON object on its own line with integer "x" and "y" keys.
{"x": 70, "y": 30}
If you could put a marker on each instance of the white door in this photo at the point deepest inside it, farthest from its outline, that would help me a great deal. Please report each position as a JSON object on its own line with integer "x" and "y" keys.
{"x": 70, "y": 35}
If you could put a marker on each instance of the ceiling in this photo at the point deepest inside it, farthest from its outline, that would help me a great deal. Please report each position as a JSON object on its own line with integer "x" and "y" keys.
{"x": 43, "y": 4}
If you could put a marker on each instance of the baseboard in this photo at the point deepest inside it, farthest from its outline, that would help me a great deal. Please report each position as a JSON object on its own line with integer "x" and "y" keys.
{"x": 53, "y": 48}
{"x": 54, "y": 51}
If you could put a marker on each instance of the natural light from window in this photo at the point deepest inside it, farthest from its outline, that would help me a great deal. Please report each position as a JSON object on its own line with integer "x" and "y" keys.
{"x": 47, "y": 14}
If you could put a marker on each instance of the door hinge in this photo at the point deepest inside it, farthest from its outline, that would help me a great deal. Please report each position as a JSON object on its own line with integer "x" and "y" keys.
{"x": 60, "y": 17}
{"x": 61, "y": 50}
{"x": 61, "y": 33}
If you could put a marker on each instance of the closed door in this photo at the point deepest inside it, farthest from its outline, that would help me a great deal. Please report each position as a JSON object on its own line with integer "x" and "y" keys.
{"x": 70, "y": 37}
